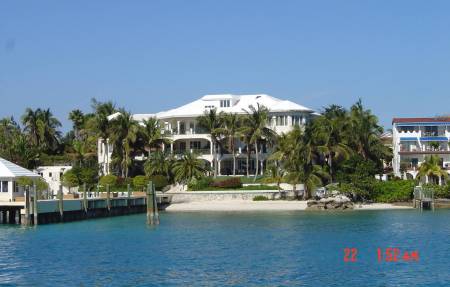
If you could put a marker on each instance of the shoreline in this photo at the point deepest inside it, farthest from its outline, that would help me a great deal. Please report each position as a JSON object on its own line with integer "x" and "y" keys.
{"x": 277, "y": 205}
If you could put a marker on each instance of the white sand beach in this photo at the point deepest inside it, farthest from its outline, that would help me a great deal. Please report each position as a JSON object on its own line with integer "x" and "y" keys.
{"x": 277, "y": 205}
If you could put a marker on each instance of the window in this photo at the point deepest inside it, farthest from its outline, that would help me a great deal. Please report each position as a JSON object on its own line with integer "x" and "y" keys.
{"x": 195, "y": 144}
{"x": 297, "y": 120}
{"x": 50, "y": 174}
{"x": 281, "y": 120}
{"x": 224, "y": 103}
{"x": 4, "y": 186}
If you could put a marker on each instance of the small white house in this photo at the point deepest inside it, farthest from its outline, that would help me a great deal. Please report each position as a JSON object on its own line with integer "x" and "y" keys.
{"x": 9, "y": 172}
{"x": 53, "y": 176}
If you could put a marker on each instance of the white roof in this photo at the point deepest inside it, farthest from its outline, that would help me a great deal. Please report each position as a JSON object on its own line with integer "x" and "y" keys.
{"x": 9, "y": 169}
{"x": 238, "y": 104}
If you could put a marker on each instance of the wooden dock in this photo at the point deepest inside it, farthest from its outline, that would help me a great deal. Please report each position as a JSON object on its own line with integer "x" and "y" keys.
{"x": 424, "y": 198}
{"x": 33, "y": 212}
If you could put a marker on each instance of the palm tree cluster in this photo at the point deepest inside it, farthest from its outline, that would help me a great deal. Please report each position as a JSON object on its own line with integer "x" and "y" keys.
{"x": 319, "y": 153}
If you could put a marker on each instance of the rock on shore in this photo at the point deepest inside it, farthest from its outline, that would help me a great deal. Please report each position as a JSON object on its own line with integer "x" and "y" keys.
{"x": 339, "y": 202}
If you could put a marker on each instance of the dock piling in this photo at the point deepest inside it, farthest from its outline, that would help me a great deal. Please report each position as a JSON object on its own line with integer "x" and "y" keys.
{"x": 108, "y": 198}
{"x": 35, "y": 205}
{"x": 27, "y": 206}
{"x": 152, "y": 205}
{"x": 61, "y": 203}
{"x": 85, "y": 201}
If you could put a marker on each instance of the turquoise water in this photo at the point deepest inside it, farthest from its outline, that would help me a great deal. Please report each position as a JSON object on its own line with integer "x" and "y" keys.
{"x": 230, "y": 249}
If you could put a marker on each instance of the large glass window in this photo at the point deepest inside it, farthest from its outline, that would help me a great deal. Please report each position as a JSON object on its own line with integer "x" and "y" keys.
{"x": 281, "y": 120}
{"x": 4, "y": 186}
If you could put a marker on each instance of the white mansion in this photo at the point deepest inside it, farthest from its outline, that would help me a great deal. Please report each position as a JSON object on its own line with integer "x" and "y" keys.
{"x": 181, "y": 127}
{"x": 416, "y": 138}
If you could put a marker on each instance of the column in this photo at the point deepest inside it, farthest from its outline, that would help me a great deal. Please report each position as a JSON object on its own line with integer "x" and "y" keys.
{"x": 178, "y": 127}
{"x": 261, "y": 168}
{"x": 219, "y": 165}
{"x": 171, "y": 147}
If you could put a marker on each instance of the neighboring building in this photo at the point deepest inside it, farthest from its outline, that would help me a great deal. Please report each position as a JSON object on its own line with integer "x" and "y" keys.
{"x": 9, "y": 172}
{"x": 181, "y": 126}
{"x": 416, "y": 138}
{"x": 53, "y": 175}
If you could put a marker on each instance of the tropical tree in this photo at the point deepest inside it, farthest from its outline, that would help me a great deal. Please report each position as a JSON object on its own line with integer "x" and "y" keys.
{"x": 159, "y": 163}
{"x": 152, "y": 134}
{"x": 210, "y": 121}
{"x": 124, "y": 134}
{"x": 431, "y": 169}
{"x": 276, "y": 174}
{"x": 30, "y": 120}
{"x": 78, "y": 120}
{"x": 230, "y": 127}
{"x": 188, "y": 167}
{"x": 256, "y": 126}
{"x": 101, "y": 126}
{"x": 328, "y": 132}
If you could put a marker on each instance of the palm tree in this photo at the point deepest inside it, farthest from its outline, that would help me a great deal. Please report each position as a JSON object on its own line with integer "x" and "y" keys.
{"x": 78, "y": 119}
{"x": 276, "y": 174}
{"x": 188, "y": 167}
{"x": 30, "y": 120}
{"x": 101, "y": 125}
{"x": 124, "y": 135}
{"x": 431, "y": 169}
{"x": 159, "y": 163}
{"x": 50, "y": 125}
{"x": 327, "y": 132}
{"x": 152, "y": 134}
{"x": 255, "y": 125}
{"x": 231, "y": 124}
{"x": 211, "y": 123}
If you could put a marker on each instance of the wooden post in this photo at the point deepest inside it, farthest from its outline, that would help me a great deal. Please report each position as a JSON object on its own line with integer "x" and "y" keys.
{"x": 27, "y": 206}
{"x": 129, "y": 195}
{"x": 85, "y": 201}
{"x": 152, "y": 208}
{"x": 108, "y": 199}
{"x": 35, "y": 205}
{"x": 61, "y": 203}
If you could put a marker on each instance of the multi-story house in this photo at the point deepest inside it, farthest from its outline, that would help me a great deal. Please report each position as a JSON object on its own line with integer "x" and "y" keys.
{"x": 180, "y": 124}
{"x": 416, "y": 138}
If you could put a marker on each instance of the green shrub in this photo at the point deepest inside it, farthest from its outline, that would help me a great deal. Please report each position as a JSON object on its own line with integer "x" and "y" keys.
{"x": 159, "y": 181}
{"x": 140, "y": 182}
{"x": 109, "y": 179}
{"x": 200, "y": 184}
{"x": 392, "y": 191}
{"x": 440, "y": 191}
{"x": 232, "y": 183}
{"x": 260, "y": 198}
{"x": 70, "y": 178}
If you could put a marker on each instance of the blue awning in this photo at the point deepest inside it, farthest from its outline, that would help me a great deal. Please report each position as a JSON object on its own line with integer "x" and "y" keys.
{"x": 432, "y": 139}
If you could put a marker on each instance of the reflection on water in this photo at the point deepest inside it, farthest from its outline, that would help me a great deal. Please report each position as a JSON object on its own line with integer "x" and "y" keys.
{"x": 276, "y": 248}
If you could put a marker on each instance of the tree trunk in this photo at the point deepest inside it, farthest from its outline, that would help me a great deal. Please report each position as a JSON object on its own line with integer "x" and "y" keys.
{"x": 331, "y": 167}
{"x": 234, "y": 163}
{"x": 256, "y": 161}
{"x": 248, "y": 159}
{"x": 214, "y": 161}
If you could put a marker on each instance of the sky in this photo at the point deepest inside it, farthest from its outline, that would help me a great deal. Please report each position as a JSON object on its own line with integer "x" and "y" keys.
{"x": 149, "y": 56}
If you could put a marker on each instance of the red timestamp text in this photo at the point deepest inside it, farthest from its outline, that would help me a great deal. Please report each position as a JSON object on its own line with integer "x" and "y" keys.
{"x": 389, "y": 254}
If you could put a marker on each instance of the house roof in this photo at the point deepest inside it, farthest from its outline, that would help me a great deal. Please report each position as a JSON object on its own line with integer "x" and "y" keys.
{"x": 9, "y": 169}
{"x": 421, "y": 120}
{"x": 238, "y": 104}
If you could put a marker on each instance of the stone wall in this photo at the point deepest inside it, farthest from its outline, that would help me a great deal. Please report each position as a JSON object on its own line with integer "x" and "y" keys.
{"x": 189, "y": 196}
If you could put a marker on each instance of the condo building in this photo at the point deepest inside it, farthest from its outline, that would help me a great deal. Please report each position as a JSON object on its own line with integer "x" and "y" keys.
{"x": 180, "y": 125}
{"x": 416, "y": 138}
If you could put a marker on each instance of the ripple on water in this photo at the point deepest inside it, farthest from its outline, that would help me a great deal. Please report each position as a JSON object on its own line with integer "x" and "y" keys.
{"x": 229, "y": 249}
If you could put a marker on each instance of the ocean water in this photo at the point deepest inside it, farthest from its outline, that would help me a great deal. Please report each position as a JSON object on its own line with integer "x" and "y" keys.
{"x": 230, "y": 249}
